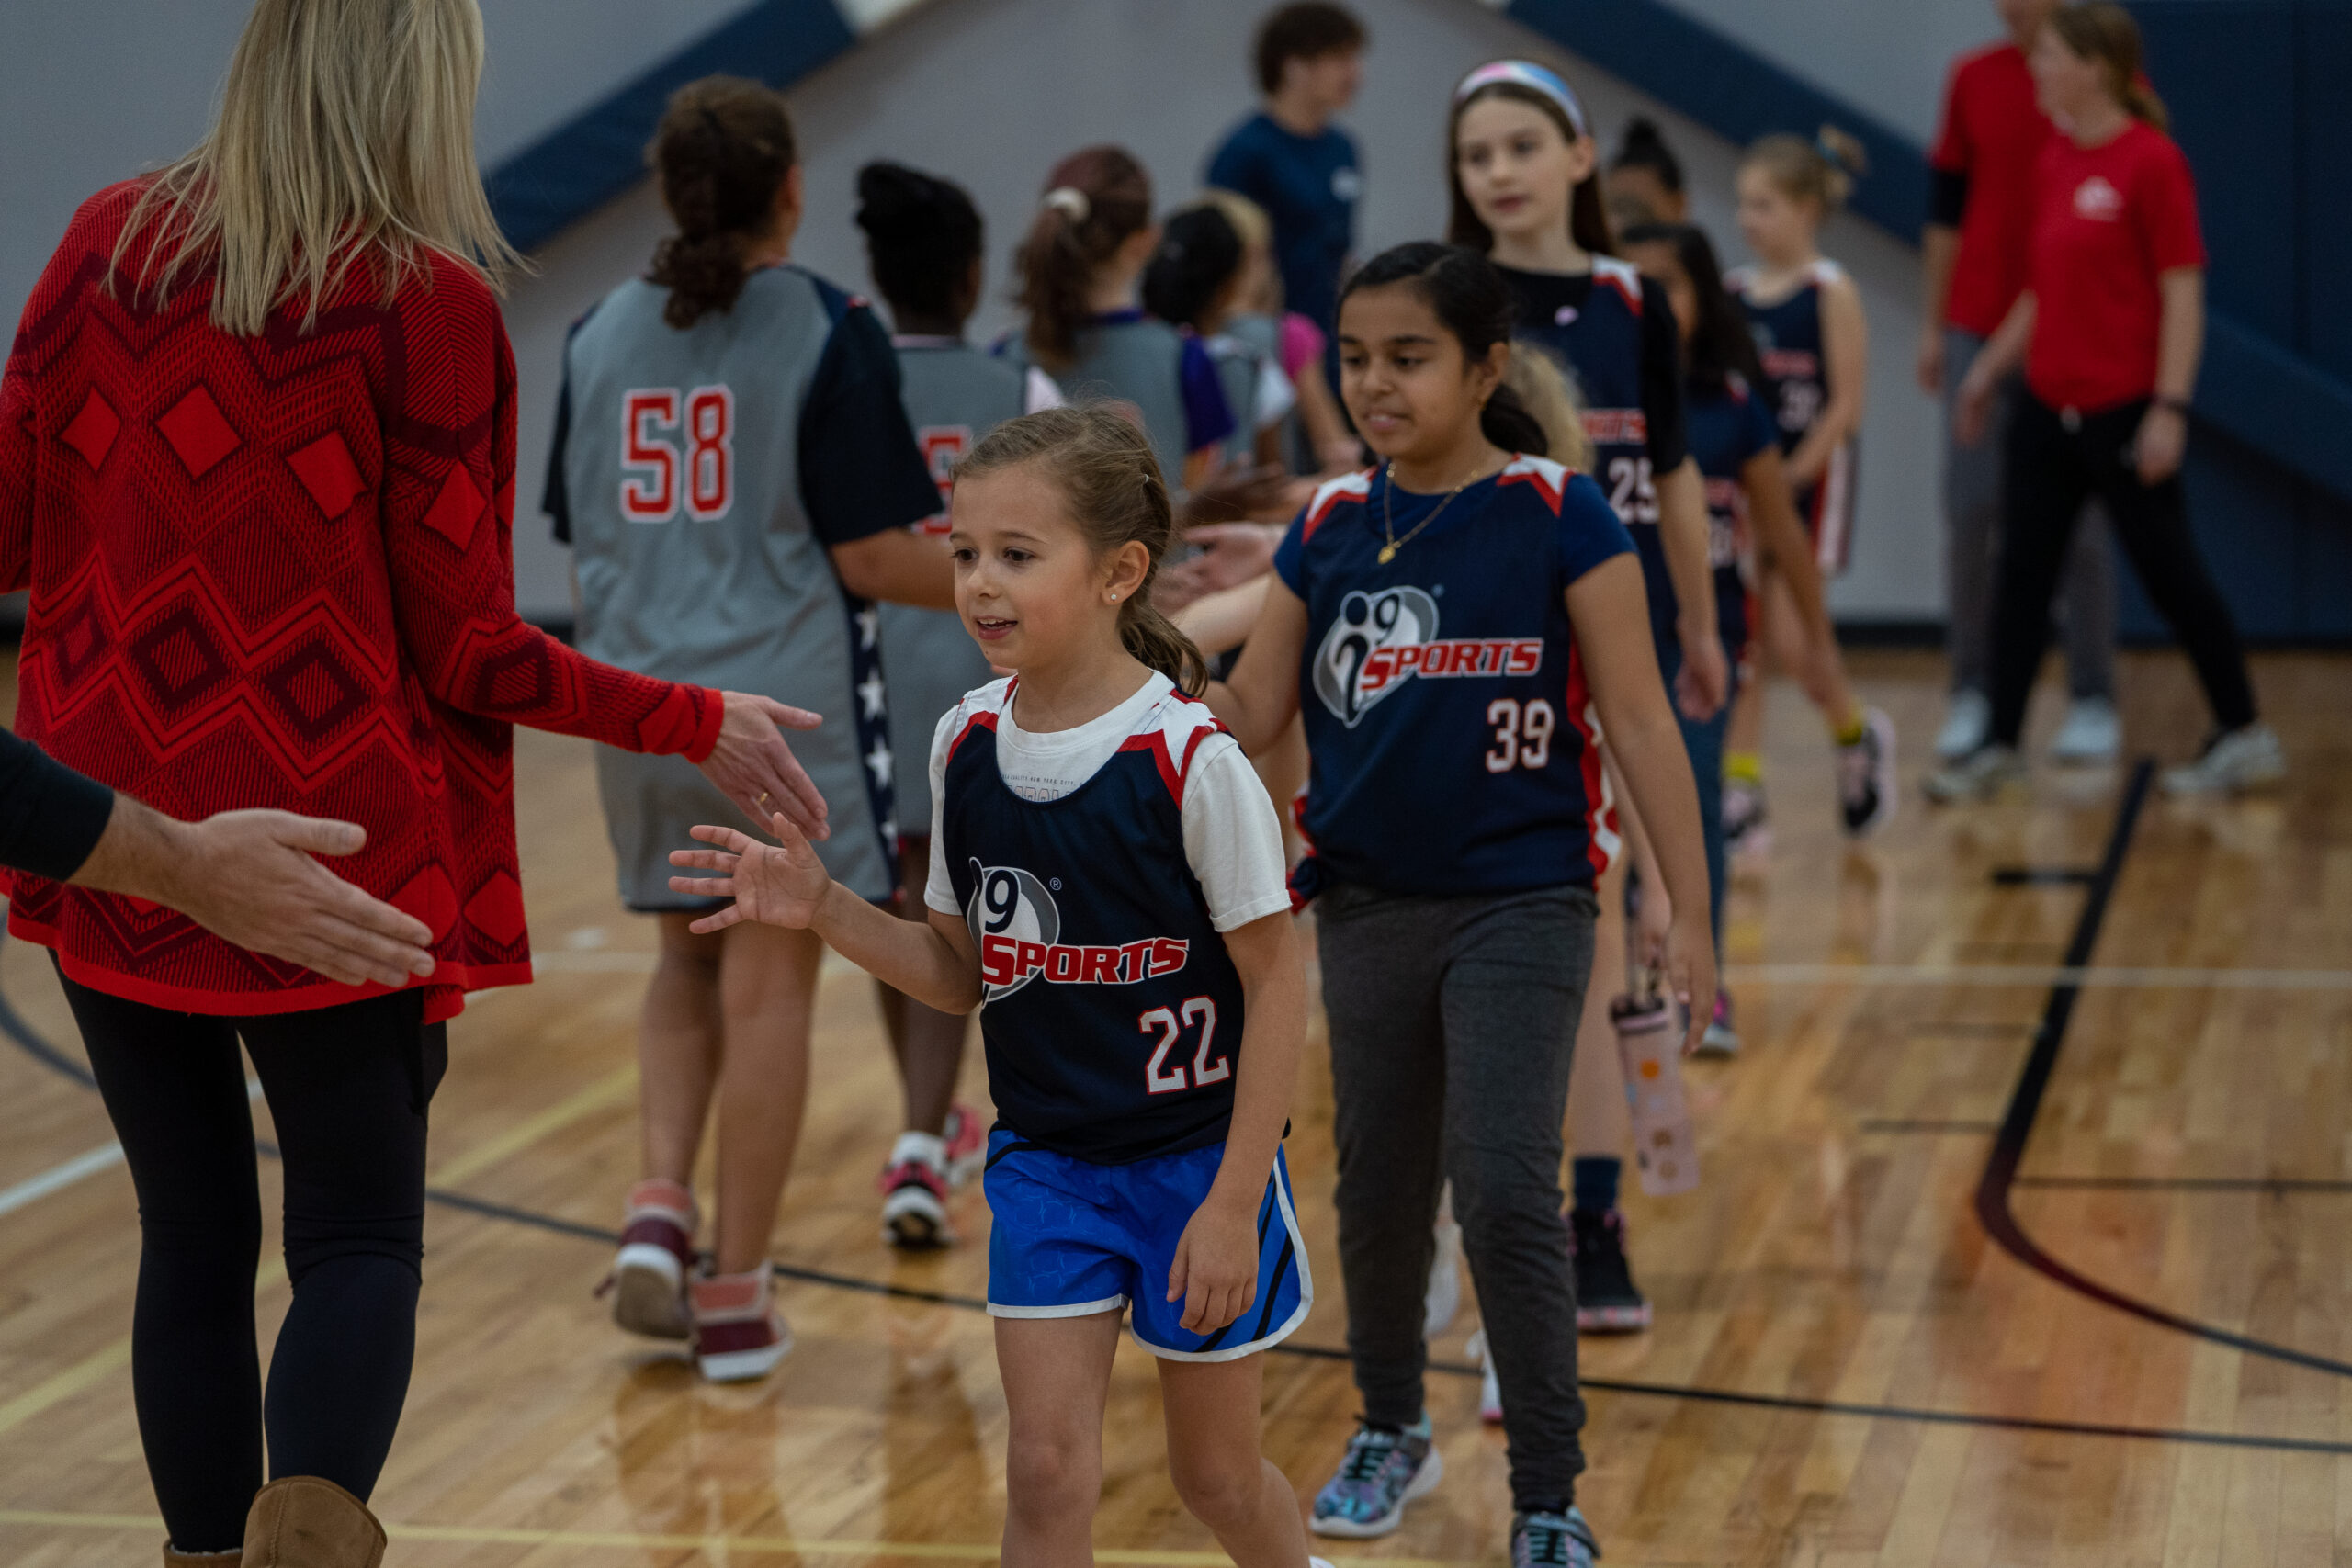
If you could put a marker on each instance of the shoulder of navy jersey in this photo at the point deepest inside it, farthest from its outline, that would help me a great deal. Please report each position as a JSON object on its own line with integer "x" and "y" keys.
{"x": 1624, "y": 277}
{"x": 979, "y": 710}
{"x": 1547, "y": 479}
{"x": 1172, "y": 734}
{"x": 1347, "y": 490}
{"x": 838, "y": 301}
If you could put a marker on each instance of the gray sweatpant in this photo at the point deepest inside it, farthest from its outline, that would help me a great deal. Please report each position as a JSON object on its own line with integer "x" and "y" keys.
{"x": 1452, "y": 1021}
{"x": 1972, "y": 543}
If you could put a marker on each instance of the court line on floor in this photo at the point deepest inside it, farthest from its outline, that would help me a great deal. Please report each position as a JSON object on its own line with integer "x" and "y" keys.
{"x": 1993, "y": 1189}
{"x": 636, "y": 1540}
{"x": 65, "y": 1173}
{"x": 2282, "y": 1185}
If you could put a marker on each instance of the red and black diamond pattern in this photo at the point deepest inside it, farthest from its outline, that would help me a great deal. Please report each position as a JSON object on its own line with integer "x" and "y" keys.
{"x": 279, "y": 571}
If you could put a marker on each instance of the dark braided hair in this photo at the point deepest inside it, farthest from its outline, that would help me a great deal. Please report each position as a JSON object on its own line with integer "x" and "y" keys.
{"x": 724, "y": 147}
{"x": 923, "y": 234}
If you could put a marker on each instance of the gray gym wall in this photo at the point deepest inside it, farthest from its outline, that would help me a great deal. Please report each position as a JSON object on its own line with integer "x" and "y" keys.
{"x": 990, "y": 93}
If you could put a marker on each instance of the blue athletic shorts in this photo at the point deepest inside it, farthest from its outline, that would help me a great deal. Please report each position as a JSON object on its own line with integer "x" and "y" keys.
{"x": 1070, "y": 1237}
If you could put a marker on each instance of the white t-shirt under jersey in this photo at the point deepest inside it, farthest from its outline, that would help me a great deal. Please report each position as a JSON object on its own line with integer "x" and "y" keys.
{"x": 1232, "y": 837}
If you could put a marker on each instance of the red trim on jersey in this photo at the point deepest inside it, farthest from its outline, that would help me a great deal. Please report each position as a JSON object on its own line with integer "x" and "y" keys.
{"x": 1528, "y": 471}
{"x": 1354, "y": 487}
{"x": 1622, "y": 279}
{"x": 984, "y": 719}
{"x": 1599, "y": 816}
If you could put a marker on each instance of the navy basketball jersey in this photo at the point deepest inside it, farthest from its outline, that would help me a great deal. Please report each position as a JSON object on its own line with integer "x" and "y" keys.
{"x": 1795, "y": 358}
{"x": 1614, "y": 336}
{"x": 1110, "y": 1010}
{"x": 1728, "y": 426}
{"x": 1449, "y": 730}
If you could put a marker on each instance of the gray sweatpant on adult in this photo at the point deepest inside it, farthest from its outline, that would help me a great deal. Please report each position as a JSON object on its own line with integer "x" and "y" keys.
{"x": 1453, "y": 1022}
{"x": 1973, "y": 543}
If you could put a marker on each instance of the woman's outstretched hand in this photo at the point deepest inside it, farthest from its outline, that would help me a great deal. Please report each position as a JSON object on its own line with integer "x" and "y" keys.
{"x": 753, "y": 766}
{"x": 778, "y": 885}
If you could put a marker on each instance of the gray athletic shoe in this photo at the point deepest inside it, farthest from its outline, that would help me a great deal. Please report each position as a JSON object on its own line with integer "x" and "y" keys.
{"x": 1551, "y": 1541}
{"x": 2244, "y": 759}
{"x": 1980, "y": 775}
{"x": 1383, "y": 1470}
{"x": 1968, "y": 723}
{"x": 2091, "y": 734}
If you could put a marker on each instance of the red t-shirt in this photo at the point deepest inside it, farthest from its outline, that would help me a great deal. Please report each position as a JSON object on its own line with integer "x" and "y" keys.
{"x": 1993, "y": 132}
{"x": 2107, "y": 221}
{"x": 279, "y": 571}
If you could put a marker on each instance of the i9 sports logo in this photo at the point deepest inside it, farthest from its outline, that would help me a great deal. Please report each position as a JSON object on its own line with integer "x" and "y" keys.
{"x": 1380, "y": 640}
{"x": 1016, "y": 926}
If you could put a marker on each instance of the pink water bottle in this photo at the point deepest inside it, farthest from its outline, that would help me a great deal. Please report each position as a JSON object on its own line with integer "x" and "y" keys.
{"x": 1666, "y": 1149}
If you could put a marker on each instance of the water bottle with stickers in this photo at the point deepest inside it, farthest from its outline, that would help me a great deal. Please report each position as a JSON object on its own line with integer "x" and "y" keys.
{"x": 1665, "y": 1147}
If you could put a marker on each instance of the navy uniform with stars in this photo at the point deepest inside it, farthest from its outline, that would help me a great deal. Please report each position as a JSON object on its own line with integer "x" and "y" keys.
{"x": 701, "y": 477}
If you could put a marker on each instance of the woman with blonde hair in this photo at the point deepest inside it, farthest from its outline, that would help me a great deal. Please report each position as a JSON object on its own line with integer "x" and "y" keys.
{"x": 257, "y": 467}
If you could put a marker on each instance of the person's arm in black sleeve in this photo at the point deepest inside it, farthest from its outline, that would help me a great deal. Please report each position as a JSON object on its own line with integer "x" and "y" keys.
{"x": 50, "y": 816}
{"x": 246, "y": 876}
{"x": 1662, "y": 380}
{"x": 556, "y": 499}
{"x": 863, "y": 479}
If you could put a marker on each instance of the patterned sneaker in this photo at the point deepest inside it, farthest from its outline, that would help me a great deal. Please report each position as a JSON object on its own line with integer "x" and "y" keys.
{"x": 1490, "y": 1387}
{"x": 966, "y": 1140}
{"x": 1607, "y": 1300}
{"x": 1747, "y": 837}
{"x": 656, "y": 1259}
{"x": 914, "y": 1193}
{"x": 738, "y": 1334}
{"x": 1385, "y": 1469}
{"x": 2244, "y": 759}
{"x": 1551, "y": 1541}
{"x": 1720, "y": 1039}
{"x": 1866, "y": 791}
{"x": 1443, "y": 1298}
{"x": 1980, "y": 775}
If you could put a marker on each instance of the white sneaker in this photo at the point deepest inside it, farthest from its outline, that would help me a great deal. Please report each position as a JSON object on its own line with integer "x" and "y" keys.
{"x": 2250, "y": 758}
{"x": 2092, "y": 734}
{"x": 1490, "y": 1388}
{"x": 1980, "y": 775}
{"x": 1444, "y": 1297}
{"x": 1968, "y": 724}
{"x": 914, "y": 1193}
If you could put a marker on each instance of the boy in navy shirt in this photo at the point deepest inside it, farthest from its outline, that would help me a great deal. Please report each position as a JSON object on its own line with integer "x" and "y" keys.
{"x": 1291, "y": 160}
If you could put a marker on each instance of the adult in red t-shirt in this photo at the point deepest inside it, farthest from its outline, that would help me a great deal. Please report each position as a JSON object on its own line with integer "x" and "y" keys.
{"x": 257, "y": 469}
{"x": 2108, "y": 329}
{"x": 1973, "y": 258}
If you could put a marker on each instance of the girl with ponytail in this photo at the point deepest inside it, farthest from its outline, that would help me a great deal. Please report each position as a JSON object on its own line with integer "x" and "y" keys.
{"x": 1455, "y": 627}
{"x": 1106, "y": 874}
{"x": 1082, "y": 272}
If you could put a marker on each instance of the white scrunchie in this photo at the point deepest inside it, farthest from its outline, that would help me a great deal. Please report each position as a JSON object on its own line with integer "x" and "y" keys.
{"x": 1068, "y": 200}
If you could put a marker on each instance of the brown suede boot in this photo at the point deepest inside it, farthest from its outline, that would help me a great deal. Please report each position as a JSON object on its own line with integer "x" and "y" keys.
{"x": 306, "y": 1521}
{"x": 201, "y": 1558}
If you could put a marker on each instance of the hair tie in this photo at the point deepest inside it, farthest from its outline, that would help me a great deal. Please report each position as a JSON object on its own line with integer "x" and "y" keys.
{"x": 1070, "y": 201}
{"x": 1526, "y": 74}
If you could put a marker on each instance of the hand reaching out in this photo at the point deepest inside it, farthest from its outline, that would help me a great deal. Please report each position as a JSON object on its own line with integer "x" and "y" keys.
{"x": 754, "y": 767}
{"x": 781, "y": 884}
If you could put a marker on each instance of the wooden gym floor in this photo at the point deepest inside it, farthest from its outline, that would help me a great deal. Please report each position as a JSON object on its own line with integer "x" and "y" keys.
{"x": 1847, "y": 1368}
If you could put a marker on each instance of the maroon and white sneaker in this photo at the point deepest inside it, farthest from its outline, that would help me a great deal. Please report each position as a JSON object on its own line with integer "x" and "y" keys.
{"x": 738, "y": 1334}
{"x": 656, "y": 1259}
{"x": 914, "y": 1193}
{"x": 966, "y": 1140}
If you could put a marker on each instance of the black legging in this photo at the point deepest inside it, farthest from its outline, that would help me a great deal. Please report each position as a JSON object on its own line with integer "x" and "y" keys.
{"x": 348, "y": 1086}
{"x": 2050, "y": 470}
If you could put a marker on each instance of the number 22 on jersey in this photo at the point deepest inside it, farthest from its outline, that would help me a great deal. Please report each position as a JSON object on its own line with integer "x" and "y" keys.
{"x": 671, "y": 443}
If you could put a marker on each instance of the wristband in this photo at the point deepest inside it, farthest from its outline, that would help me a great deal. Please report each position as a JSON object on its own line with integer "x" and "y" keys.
{"x": 2178, "y": 405}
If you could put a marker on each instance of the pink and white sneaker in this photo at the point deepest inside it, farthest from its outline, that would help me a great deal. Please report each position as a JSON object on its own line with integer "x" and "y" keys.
{"x": 967, "y": 1139}
{"x": 914, "y": 1193}
{"x": 656, "y": 1259}
{"x": 738, "y": 1334}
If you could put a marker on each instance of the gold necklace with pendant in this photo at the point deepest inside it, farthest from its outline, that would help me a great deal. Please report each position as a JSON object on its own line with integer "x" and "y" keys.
{"x": 1389, "y": 511}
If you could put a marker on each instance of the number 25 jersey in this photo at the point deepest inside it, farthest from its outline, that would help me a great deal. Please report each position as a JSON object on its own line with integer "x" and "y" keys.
{"x": 1450, "y": 732}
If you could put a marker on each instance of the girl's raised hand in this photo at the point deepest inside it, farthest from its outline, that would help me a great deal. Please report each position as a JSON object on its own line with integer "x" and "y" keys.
{"x": 778, "y": 885}
{"x": 1691, "y": 971}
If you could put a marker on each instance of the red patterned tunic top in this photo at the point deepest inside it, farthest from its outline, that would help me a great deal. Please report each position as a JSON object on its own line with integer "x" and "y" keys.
{"x": 279, "y": 571}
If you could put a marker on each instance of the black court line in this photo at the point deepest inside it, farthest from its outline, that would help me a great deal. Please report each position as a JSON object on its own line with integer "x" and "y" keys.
{"x": 2044, "y": 875}
{"x": 1993, "y": 1189}
{"x": 2282, "y": 1185}
{"x": 27, "y": 1040}
{"x": 1922, "y": 1124}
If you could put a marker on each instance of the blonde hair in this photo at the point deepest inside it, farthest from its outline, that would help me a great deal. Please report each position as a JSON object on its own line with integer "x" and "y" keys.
{"x": 1248, "y": 220}
{"x": 1822, "y": 171}
{"x": 2106, "y": 35}
{"x": 1112, "y": 485}
{"x": 1544, "y": 389}
{"x": 346, "y": 131}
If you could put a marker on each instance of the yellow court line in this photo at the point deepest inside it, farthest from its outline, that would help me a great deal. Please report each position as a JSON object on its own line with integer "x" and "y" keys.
{"x": 632, "y": 1540}
{"x": 618, "y": 1084}
{"x": 64, "y": 1385}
